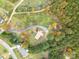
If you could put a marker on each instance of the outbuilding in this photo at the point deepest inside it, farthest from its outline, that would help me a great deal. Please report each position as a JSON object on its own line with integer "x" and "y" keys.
{"x": 1, "y": 20}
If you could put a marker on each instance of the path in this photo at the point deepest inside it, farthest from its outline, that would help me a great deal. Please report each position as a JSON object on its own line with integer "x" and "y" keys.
{"x": 14, "y": 11}
{"x": 38, "y": 11}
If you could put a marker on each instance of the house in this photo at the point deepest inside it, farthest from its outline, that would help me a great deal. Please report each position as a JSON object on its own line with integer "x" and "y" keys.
{"x": 39, "y": 34}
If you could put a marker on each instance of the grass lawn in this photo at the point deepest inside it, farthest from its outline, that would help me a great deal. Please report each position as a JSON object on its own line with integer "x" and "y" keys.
{"x": 3, "y": 52}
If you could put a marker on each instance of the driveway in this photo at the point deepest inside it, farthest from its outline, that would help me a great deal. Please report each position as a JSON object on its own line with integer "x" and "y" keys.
{"x": 30, "y": 28}
{"x": 4, "y": 44}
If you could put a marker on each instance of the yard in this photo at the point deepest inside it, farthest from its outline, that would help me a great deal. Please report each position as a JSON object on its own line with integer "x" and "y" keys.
{"x": 30, "y": 56}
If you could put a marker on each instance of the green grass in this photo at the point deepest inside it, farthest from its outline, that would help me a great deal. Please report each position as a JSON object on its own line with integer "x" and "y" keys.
{"x": 2, "y": 50}
{"x": 2, "y": 2}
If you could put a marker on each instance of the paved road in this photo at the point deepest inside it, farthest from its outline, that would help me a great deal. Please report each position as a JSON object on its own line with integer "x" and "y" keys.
{"x": 8, "y": 48}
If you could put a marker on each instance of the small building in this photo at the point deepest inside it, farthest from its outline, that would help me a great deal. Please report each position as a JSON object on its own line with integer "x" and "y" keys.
{"x": 1, "y": 20}
{"x": 39, "y": 34}
{"x": 22, "y": 51}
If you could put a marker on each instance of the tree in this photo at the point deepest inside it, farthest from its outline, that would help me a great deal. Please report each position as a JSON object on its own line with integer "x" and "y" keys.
{"x": 70, "y": 27}
{"x": 70, "y": 31}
